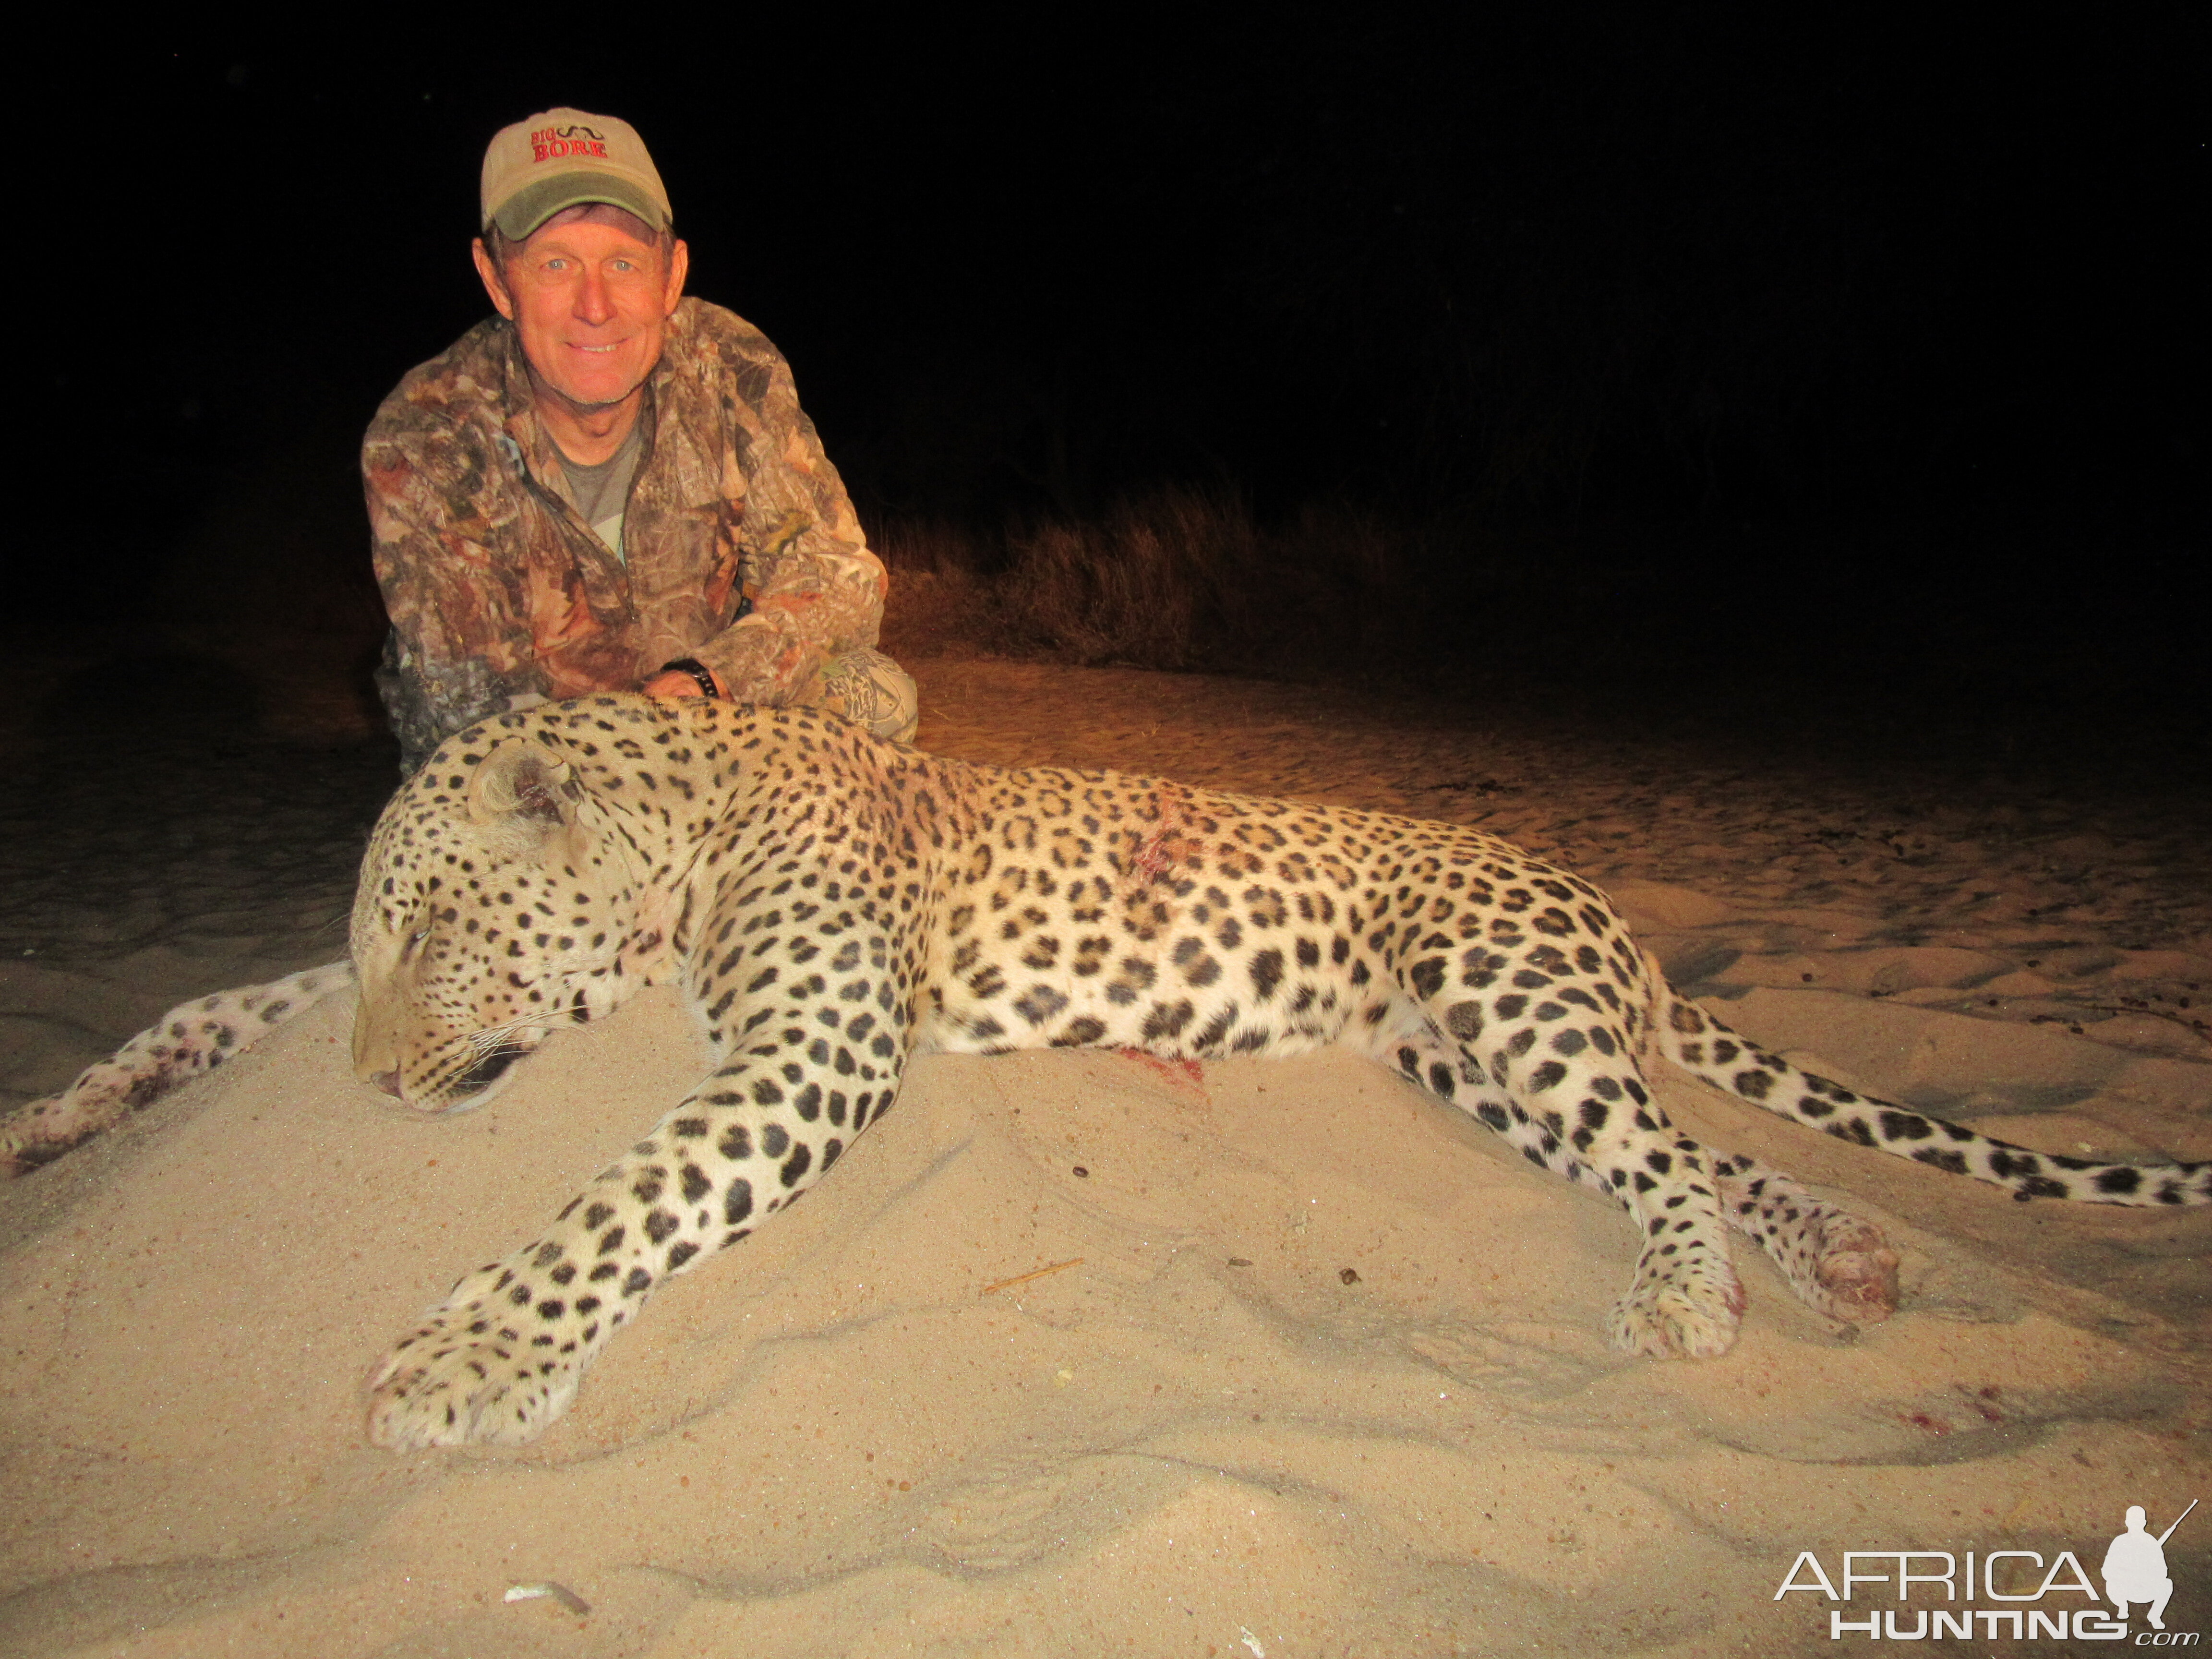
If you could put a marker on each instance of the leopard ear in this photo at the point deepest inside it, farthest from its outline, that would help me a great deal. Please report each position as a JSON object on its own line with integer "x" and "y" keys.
{"x": 519, "y": 778}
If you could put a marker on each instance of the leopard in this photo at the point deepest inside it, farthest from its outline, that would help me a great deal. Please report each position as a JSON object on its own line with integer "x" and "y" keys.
{"x": 831, "y": 905}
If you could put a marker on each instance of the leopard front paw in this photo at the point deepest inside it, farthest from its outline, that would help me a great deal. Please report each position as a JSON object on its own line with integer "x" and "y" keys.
{"x": 1679, "y": 1313}
{"x": 474, "y": 1370}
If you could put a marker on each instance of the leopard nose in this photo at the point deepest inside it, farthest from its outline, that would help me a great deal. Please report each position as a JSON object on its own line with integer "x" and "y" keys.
{"x": 388, "y": 1081}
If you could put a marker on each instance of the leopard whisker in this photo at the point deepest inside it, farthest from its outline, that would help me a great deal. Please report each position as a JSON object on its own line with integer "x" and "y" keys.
{"x": 496, "y": 1036}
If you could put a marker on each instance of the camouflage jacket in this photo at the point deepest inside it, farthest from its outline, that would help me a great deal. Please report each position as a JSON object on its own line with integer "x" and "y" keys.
{"x": 743, "y": 550}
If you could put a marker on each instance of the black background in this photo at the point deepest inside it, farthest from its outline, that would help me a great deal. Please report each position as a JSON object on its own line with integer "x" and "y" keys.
{"x": 1865, "y": 330}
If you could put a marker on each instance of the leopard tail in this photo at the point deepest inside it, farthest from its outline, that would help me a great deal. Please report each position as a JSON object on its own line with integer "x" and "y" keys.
{"x": 1702, "y": 1046}
{"x": 192, "y": 1037}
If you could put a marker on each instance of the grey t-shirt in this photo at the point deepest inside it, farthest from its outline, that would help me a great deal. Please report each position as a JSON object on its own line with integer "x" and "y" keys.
{"x": 600, "y": 493}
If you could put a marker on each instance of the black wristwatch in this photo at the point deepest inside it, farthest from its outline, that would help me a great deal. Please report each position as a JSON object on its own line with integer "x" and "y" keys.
{"x": 698, "y": 670}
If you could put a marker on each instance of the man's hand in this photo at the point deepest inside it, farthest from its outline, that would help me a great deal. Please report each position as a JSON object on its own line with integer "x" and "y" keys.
{"x": 684, "y": 677}
{"x": 671, "y": 683}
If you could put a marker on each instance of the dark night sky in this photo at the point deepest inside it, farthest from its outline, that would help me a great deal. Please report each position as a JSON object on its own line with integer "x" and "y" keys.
{"x": 1669, "y": 271}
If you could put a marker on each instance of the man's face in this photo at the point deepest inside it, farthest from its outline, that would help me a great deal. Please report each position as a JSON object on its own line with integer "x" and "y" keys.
{"x": 590, "y": 301}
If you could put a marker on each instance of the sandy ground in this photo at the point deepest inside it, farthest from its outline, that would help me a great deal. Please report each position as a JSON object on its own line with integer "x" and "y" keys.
{"x": 1079, "y": 1353}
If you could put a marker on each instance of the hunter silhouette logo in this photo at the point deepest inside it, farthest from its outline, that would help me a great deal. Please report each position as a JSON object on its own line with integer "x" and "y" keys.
{"x": 2135, "y": 1566}
{"x": 552, "y": 143}
{"x": 2134, "y": 1570}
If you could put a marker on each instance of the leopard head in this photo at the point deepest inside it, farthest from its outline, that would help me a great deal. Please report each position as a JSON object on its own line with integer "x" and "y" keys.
{"x": 495, "y": 905}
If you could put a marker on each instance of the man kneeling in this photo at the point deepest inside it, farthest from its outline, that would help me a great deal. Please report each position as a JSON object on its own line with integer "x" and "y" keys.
{"x": 609, "y": 487}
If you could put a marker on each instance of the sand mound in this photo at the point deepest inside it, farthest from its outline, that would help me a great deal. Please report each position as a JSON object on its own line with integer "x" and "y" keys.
{"x": 1317, "y": 1368}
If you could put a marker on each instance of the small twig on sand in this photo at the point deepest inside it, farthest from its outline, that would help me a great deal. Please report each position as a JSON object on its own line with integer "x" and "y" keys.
{"x": 561, "y": 1592}
{"x": 1023, "y": 1278}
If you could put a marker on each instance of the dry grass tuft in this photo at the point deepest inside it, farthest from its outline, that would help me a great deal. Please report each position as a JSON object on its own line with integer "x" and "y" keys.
{"x": 1176, "y": 578}
{"x": 1163, "y": 580}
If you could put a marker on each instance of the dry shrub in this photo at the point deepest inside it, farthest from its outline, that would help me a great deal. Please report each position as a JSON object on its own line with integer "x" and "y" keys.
{"x": 929, "y": 545}
{"x": 942, "y": 600}
{"x": 1187, "y": 578}
{"x": 949, "y": 612}
{"x": 1337, "y": 587}
{"x": 1164, "y": 580}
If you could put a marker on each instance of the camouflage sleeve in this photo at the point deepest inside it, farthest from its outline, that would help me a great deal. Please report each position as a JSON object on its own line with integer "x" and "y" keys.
{"x": 463, "y": 651}
{"x": 817, "y": 591}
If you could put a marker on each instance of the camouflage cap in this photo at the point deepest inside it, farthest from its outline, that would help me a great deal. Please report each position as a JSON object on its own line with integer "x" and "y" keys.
{"x": 563, "y": 157}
